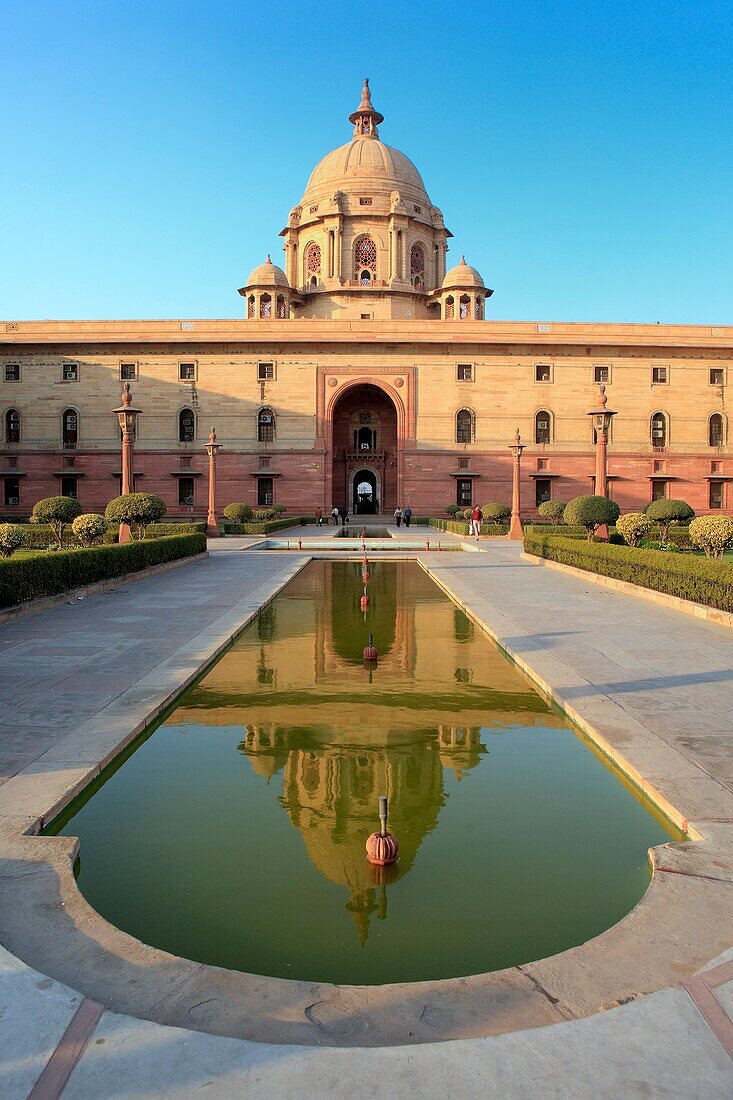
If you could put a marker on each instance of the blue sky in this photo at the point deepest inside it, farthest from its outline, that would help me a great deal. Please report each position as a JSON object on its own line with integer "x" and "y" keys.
{"x": 581, "y": 153}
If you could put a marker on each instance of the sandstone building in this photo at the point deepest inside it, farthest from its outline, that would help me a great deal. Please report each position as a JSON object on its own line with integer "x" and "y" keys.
{"x": 365, "y": 372}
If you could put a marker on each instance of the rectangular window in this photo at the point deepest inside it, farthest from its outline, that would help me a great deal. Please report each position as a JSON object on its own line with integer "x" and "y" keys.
{"x": 264, "y": 462}
{"x": 264, "y": 491}
{"x": 12, "y": 491}
{"x": 462, "y": 463}
{"x": 185, "y": 490}
{"x": 465, "y": 372}
{"x": 187, "y": 372}
{"x": 659, "y": 490}
{"x": 660, "y": 376}
{"x": 716, "y": 494}
{"x": 541, "y": 463}
{"x": 717, "y": 376}
{"x": 128, "y": 372}
{"x": 69, "y": 487}
{"x": 365, "y": 202}
{"x": 366, "y": 316}
{"x": 542, "y": 490}
{"x": 265, "y": 372}
{"x": 12, "y": 372}
{"x": 70, "y": 373}
{"x": 601, "y": 373}
{"x": 542, "y": 372}
{"x": 464, "y": 492}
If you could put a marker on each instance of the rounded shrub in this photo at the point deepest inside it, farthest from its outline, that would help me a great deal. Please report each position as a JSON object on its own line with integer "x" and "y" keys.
{"x": 467, "y": 513}
{"x": 634, "y": 527}
{"x": 590, "y": 512}
{"x": 713, "y": 534}
{"x": 238, "y": 513}
{"x": 11, "y": 539}
{"x": 279, "y": 509}
{"x": 552, "y": 510}
{"x": 88, "y": 528}
{"x": 57, "y": 512}
{"x": 495, "y": 513}
{"x": 453, "y": 509}
{"x": 666, "y": 512}
{"x": 137, "y": 509}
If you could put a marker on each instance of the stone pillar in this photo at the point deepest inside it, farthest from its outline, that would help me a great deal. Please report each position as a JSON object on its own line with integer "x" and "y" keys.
{"x": 212, "y": 522}
{"x": 515, "y": 525}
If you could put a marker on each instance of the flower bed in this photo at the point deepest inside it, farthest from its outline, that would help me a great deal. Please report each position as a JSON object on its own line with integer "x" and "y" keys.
{"x": 684, "y": 575}
{"x": 39, "y": 575}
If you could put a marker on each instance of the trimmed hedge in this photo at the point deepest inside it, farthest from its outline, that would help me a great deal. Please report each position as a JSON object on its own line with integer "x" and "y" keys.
{"x": 266, "y": 527}
{"x": 460, "y": 527}
{"x": 23, "y": 579}
{"x": 684, "y": 575}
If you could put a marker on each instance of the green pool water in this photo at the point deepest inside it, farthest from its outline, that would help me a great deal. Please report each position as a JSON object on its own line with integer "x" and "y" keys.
{"x": 235, "y": 833}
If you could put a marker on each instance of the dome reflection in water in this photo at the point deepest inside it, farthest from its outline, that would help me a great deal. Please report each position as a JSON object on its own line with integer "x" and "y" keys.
{"x": 235, "y": 833}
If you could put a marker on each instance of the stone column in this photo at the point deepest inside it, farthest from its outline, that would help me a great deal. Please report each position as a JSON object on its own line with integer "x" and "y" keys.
{"x": 212, "y": 522}
{"x": 515, "y": 525}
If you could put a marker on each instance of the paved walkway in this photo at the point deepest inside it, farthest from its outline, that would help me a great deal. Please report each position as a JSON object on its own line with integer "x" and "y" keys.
{"x": 657, "y": 685}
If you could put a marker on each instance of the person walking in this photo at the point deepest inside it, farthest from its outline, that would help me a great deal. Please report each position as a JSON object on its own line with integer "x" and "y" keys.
{"x": 344, "y": 515}
{"x": 398, "y": 515}
{"x": 319, "y": 517}
{"x": 407, "y": 515}
{"x": 335, "y": 516}
{"x": 476, "y": 516}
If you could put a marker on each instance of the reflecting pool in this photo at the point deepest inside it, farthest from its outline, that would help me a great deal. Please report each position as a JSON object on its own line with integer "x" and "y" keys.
{"x": 235, "y": 833}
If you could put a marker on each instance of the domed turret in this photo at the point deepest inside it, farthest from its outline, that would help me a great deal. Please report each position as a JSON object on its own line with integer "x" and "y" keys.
{"x": 268, "y": 274}
{"x": 462, "y": 275}
{"x": 462, "y": 294}
{"x": 267, "y": 292}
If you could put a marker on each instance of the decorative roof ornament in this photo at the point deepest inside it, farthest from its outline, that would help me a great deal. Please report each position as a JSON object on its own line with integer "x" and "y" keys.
{"x": 365, "y": 118}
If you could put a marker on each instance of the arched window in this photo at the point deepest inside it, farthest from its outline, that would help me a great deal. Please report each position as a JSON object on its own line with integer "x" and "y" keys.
{"x": 365, "y": 260}
{"x": 465, "y": 307}
{"x": 449, "y": 308}
{"x": 312, "y": 259}
{"x": 282, "y": 312}
{"x": 465, "y": 426}
{"x": 265, "y": 426}
{"x": 478, "y": 309}
{"x": 659, "y": 431}
{"x": 186, "y": 426}
{"x": 70, "y": 428}
{"x": 417, "y": 265}
{"x": 542, "y": 427}
{"x": 12, "y": 426}
{"x": 265, "y": 305}
{"x": 715, "y": 430}
{"x": 251, "y": 306}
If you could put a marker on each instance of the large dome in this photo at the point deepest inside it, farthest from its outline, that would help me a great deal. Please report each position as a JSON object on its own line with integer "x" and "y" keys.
{"x": 365, "y": 162}
{"x": 365, "y": 168}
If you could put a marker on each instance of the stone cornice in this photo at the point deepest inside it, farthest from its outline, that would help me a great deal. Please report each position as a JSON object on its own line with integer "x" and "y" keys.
{"x": 323, "y": 332}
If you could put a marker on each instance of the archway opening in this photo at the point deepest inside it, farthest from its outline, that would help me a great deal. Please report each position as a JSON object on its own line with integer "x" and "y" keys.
{"x": 365, "y": 496}
{"x": 364, "y": 421}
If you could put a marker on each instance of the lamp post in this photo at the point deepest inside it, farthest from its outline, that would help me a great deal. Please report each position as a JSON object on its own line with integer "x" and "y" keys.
{"x": 601, "y": 418}
{"x": 515, "y": 524}
{"x": 212, "y": 523}
{"x": 127, "y": 417}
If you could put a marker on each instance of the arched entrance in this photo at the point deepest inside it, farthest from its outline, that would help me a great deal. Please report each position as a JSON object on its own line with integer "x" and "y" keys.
{"x": 364, "y": 423}
{"x": 364, "y": 493}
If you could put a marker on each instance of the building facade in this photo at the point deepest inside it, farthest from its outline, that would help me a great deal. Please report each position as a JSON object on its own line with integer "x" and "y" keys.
{"x": 364, "y": 372}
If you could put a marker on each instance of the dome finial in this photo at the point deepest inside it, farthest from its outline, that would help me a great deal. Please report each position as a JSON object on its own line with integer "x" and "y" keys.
{"x": 365, "y": 118}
